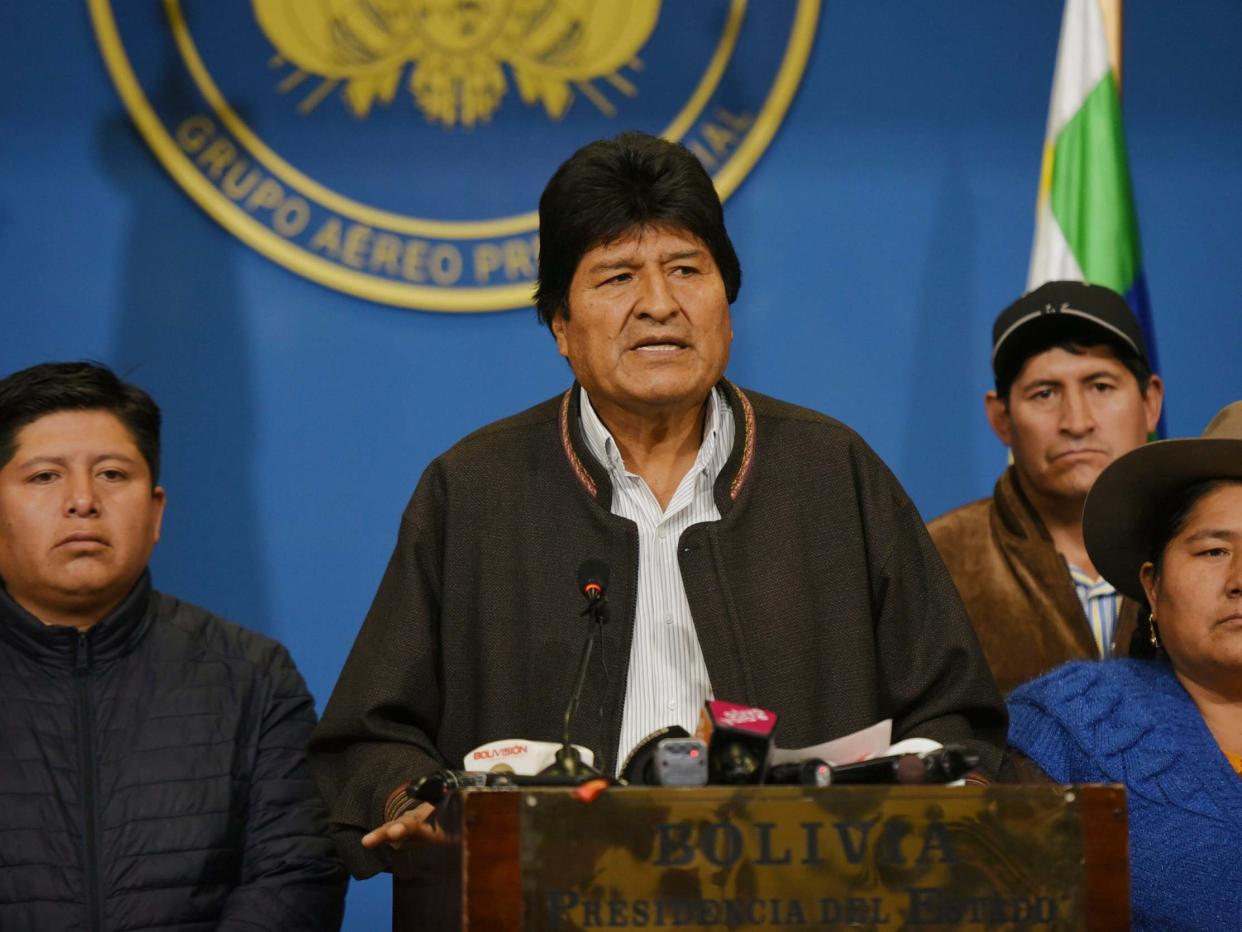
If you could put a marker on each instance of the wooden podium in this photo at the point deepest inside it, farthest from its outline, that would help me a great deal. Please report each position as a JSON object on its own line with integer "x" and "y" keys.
{"x": 1031, "y": 857}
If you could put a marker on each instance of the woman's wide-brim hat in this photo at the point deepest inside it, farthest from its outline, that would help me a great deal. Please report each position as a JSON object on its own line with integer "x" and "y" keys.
{"x": 1126, "y": 500}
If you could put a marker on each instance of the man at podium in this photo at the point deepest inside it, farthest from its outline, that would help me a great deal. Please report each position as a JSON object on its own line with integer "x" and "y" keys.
{"x": 757, "y": 551}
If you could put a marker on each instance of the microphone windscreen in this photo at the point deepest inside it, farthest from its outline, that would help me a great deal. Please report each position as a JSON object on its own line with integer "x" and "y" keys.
{"x": 741, "y": 742}
{"x": 593, "y": 573}
{"x": 730, "y": 716}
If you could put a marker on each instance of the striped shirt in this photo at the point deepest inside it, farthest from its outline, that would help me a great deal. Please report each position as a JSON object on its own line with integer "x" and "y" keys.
{"x": 1101, "y": 603}
{"x": 667, "y": 682}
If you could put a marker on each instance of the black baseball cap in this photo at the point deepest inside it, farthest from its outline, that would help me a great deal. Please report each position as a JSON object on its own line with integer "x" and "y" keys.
{"x": 1062, "y": 306}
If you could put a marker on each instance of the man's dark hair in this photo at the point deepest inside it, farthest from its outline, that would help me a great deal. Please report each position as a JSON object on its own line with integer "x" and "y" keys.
{"x": 52, "y": 387}
{"x": 614, "y": 187}
{"x": 1073, "y": 336}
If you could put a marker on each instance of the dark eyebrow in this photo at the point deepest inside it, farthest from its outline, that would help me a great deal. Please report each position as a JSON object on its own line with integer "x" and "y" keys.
{"x": 61, "y": 461}
{"x": 1056, "y": 383}
{"x": 37, "y": 460}
{"x": 629, "y": 262}
{"x": 1218, "y": 533}
{"x": 680, "y": 254}
{"x": 1040, "y": 383}
{"x": 614, "y": 265}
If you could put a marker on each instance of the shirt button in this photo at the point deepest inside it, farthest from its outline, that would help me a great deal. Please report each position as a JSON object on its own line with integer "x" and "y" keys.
{"x": 671, "y": 705}
{"x": 662, "y": 534}
{"x": 668, "y": 619}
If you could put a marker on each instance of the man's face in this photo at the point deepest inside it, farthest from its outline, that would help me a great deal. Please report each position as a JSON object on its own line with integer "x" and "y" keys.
{"x": 1069, "y": 416}
{"x": 648, "y": 328}
{"x": 78, "y": 516}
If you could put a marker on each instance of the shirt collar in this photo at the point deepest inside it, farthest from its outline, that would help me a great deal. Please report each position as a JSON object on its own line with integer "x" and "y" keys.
{"x": 713, "y": 451}
{"x": 1083, "y": 580}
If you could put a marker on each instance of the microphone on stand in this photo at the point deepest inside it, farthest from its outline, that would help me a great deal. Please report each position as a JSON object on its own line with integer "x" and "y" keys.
{"x": 593, "y": 584}
{"x": 592, "y": 581}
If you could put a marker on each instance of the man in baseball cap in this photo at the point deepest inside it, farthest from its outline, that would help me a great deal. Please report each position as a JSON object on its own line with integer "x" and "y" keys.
{"x": 1074, "y": 391}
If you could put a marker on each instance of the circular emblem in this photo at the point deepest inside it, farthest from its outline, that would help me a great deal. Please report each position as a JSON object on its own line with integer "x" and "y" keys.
{"x": 395, "y": 149}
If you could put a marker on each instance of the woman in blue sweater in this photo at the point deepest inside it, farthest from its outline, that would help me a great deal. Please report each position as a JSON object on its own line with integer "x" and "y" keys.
{"x": 1163, "y": 523}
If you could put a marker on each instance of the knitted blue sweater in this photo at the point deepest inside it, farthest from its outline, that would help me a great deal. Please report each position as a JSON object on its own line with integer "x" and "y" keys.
{"x": 1131, "y": 722}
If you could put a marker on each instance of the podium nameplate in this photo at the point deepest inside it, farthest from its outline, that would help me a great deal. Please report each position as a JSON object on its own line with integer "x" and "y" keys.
{"x": 1033, "y": 857}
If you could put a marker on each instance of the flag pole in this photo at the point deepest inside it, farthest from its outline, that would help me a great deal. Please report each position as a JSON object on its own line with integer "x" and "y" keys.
{"x": 1113, "y": 15}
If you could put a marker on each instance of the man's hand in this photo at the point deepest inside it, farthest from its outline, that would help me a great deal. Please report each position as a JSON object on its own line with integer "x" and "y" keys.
{"x": 416, "y": 825}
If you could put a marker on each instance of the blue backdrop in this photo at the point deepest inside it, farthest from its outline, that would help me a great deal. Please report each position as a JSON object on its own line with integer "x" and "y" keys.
{"x": 884, "y": 228}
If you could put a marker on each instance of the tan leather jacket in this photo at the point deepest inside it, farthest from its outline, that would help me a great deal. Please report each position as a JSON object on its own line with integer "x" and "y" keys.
{"x": 1017, "y": 587}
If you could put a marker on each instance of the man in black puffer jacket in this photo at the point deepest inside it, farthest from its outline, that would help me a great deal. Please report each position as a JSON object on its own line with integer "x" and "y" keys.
{"x": 152, "y": 773}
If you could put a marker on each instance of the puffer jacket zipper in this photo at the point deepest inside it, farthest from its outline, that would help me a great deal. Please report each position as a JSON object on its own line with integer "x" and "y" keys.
{"x": 86, "y": 756}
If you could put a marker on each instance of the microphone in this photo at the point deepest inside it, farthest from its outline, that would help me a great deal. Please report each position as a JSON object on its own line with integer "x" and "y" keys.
{"x": 434, "y": 787}
{"x": 668, "y": 757}
{"x": 593, "y": 584}
{"x": 741, "y": 741}
{"x": 812, "y": 772}
{"x": 942, "y": 765}
{"x": 946, "y": 764}
{"x": 592, "y": 580}
{"x": 440, "y": 784}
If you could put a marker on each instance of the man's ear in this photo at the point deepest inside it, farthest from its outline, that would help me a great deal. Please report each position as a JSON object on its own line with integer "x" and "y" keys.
{"x": 558, "y": 331}
{"x": 161, "y": 499}
{"x": 998, "y": 417}
{"x": 1153, "y": 401}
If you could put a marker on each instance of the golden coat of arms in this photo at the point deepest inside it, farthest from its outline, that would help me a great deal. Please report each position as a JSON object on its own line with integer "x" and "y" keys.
{"x": 395, "y": 149}
{"x": 456, "y": 50}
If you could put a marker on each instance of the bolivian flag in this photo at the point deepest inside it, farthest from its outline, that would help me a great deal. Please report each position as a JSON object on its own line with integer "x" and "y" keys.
{"x": 1085, "y": 225}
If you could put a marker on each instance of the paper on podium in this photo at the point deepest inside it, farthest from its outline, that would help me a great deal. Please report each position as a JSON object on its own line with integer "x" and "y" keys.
{"x": 869, "y": 742}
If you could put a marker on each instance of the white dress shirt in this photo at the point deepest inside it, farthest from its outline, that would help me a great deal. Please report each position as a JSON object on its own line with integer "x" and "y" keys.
{"x": 667, "y": 682}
